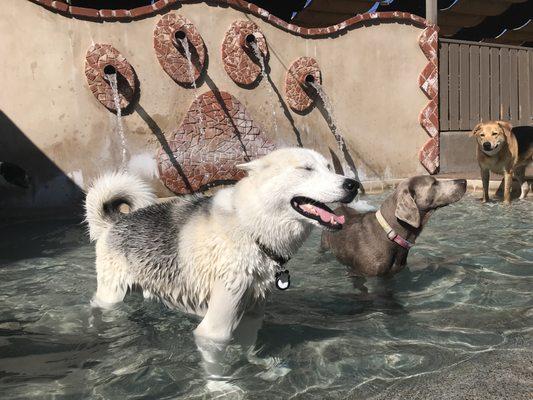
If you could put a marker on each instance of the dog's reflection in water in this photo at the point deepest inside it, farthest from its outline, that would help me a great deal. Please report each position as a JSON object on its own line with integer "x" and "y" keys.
{"x": 376, "y": 294}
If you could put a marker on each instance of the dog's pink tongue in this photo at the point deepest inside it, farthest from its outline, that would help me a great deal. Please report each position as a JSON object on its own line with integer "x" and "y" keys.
{"x": 326, "y": 216}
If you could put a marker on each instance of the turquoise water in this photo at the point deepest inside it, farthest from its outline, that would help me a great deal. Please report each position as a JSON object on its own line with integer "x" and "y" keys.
{"x": 466, "y": 294}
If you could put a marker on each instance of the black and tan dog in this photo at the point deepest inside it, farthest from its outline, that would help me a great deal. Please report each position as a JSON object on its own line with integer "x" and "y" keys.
{"x": 377, "y": 243}
{"x": 502, "y": 149}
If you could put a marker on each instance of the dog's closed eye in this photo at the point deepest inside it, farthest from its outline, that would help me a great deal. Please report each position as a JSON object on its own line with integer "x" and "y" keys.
{"x": 494, "y": 133}
{"x": 307, "y": 168}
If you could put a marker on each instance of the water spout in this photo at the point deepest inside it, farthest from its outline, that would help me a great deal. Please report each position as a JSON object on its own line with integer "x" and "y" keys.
{"x": 184, "y": 42}
{"x": 180, "y": 35}
{"x": 251, "y": 40}
{"x": 110, "y": 70}
{"x": 332, "y": 122}
{"x": 180, "y": 40}
{"x": 110, "y": 74}
{"x": 309, "y": 79}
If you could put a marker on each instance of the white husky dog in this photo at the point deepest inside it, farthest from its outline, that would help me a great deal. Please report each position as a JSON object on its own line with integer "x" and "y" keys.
{"x": 215, "y": 257}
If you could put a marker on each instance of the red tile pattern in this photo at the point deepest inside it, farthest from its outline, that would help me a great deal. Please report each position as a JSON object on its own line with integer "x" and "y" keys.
{"x": 208, "y": 147}
{"x": 239, "y": 60}
{"x": 97, "y": 57}
{"x": 429, "y": 155}
{"x": 298, "y": 95}
{"x": 159, "y": 6}
{"x": 171, "y": 57}
{"x": 429, "y": 83}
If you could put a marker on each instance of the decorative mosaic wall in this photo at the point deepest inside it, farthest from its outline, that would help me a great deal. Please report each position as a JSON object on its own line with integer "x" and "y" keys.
{"x": 200, "y": 154}
{"x": 300, "y": 95}
{"x": 216, "y": 134}
{"x": 98, "y": 57}
{"x": 160, "y": 5}
{"x": 238, "y": 57}
{"x": 170, "y": 54}
{"x": 429, "y": 83}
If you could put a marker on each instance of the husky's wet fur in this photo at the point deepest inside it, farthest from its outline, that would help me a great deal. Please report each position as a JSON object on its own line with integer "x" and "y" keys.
{"x": 217, "y": 256}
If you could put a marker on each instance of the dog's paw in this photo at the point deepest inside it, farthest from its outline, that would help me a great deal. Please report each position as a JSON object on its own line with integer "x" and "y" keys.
{"x": 101, "y": 304}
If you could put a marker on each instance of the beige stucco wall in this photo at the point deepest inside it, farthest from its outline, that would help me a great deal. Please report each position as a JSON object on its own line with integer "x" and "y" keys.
{"x": 370, "y": 74}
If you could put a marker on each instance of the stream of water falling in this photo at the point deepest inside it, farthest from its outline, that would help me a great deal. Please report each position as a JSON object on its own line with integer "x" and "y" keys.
{"x": 328, "y": 107}
{"x": 259, "y": 56}
{"x": 185, "y": 44}
{"x": 112, "y": 79}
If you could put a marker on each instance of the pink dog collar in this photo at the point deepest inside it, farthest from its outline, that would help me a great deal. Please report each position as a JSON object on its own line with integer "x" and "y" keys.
{"x": 391, "y": 233}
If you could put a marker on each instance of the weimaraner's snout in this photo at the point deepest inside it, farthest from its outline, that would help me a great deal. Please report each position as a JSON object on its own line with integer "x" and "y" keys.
{"x": 461, "y": 185}
{"x": 452, "y": 191}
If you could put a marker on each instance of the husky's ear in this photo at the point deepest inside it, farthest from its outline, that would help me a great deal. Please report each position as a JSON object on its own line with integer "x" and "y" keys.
{"x": 406, "y": 208}
{"x": 254, "y": 165}
{"x": 506, "y": 128}
{"x": 476, "y": 129}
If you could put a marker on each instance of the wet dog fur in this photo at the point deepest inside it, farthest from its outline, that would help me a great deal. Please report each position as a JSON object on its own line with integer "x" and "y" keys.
{"x": 202, "y": 254}
{"x": 363, "y": 246}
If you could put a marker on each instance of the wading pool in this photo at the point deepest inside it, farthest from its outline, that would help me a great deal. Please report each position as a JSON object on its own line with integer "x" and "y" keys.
{"x": 457, "y": 322}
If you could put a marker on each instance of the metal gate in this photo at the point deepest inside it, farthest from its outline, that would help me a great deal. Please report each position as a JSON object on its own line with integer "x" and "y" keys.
{"x": 482, "y": 82}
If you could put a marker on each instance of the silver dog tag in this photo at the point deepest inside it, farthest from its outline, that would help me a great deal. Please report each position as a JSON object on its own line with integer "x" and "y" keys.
{"x": 283, "y": 280}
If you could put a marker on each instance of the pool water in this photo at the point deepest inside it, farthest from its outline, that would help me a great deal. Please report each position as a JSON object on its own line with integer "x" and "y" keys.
{"x": 458, "y": 319}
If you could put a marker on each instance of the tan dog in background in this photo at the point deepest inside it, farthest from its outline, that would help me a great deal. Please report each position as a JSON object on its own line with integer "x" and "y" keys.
{"x": 504, "y": 150}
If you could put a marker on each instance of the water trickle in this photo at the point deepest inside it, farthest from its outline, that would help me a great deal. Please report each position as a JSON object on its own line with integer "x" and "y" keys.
{"x": 185, "y": 44}
{"x": 259, "y": 55}
{"x": 112, "y": 79}
{"x": 332, "y": 122}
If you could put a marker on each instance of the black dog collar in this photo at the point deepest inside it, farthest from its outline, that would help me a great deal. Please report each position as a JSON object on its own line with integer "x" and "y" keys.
{"x": 282, "y": 277}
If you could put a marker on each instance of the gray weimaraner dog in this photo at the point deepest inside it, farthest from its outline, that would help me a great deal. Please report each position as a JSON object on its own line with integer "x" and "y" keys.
{"x": 377, "y": 243}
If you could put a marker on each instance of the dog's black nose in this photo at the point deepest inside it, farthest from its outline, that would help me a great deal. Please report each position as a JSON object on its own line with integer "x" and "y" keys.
{"x": 351, "y": 185}
{"x": 487, "y": 146}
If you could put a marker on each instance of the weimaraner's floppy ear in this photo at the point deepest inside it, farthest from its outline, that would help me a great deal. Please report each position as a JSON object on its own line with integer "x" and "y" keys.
{"x": 406, "y": 208}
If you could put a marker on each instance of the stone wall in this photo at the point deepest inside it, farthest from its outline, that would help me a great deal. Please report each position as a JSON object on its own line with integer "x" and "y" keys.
{"x": 378, "y": 70}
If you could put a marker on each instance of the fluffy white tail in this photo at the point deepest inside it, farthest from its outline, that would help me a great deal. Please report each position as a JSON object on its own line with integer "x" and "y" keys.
{"x": 107, "y": 194}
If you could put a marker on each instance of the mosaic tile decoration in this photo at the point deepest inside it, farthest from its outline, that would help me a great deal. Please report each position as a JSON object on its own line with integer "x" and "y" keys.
{"x": 238, "y": 59}
{"x": 429, "y": 83}
{"x": 170, "y": 54}
{"x": 428, "y": 155}
{"x": 206, "y": 148}
{"x": 100, "y": 55}
{"x": 60, "y": 6}
{"x": 299, "y": 97}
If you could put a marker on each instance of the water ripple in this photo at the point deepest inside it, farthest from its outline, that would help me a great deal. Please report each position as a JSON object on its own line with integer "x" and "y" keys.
{"x": 466, "y": 293}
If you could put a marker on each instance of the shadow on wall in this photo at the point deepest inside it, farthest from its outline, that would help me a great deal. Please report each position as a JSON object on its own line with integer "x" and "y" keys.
{"x": 47, "y": 186}
{"x": 158, "y": 133}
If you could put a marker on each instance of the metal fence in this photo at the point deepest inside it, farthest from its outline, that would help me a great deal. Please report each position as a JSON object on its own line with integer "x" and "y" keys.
{"x": 482, "y": 82}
